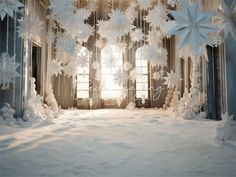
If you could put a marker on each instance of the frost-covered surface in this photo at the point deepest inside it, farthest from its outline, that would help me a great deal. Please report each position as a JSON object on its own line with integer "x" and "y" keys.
{"x": 116, "y": 143}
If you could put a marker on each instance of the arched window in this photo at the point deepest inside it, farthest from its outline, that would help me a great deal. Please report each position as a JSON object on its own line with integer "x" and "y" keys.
{"x": 111, "y": 62}
{"x": 83, "y": 77}
{"x": 141, "y": 76}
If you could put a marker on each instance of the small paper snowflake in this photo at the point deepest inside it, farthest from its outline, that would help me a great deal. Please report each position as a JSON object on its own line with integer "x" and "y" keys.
{"x": 172, "y": 80}
{"x": 137, "y": 35}
{"x": 132, "y": 75}
{"x": 217, "y": 40}
{"x": 154, "y": 38}
{"x": 156, "y": 76}
{"x": 120, "y": 77}
{"x": 29, "y": 26}
{"x": 157, "y": 16}
{"x": 95, "y": 65}
{"x": 7, "y": 70}
{"x": 54, "y": 67}
{"x": 8, "y": 7}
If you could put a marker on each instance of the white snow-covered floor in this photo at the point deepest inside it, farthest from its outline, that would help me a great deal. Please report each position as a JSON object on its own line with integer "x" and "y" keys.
{"x": 116, "y": 143}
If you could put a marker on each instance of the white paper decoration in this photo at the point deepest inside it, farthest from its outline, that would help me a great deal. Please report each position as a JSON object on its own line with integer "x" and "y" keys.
{"x": 127, "y": 66}
{"x": 54, "y": 67}
{"x": 132, "y": 75}
{"x": 192, "y": 26}
{"x": 120, "y": 77}
{"x": 172, "y": 3}
{"x": 156, "y": 76}
{"x": 172, "y": 80}
{"x": 29, "y": 26}
{"x": 154, "y": 38}
{"x": 227, "y": 18}
{"x": 137, "y": 35}
{"x": 96, "y": 65}
{"x": 7, "y": 70}
{"x": 66, "y": 43}
{"x": 131, "y": 13}
{"x": 8, "y": 7}
{"x": 157, "y": 16}
{"x": 83, "y": 13}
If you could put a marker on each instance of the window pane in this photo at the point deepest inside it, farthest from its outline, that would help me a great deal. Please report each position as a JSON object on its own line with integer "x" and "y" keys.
{"x": 139, "y": 94}
{"x": 83, "y": 86}
{"x": 82, "y": 94}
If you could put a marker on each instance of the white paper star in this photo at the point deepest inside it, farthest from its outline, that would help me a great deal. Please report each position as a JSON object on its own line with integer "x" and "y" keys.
{"x": 137, "y": 35}
{"x": 29, "y": 26}
{"x": 172, "y": 80}
{"x": 120, "y": 77}
{"x": 95, "y": 65}
{"x": 127, "y": 66}
{"x": 156, "y": 76}
{"x": 154, "y": 38}
{"x": 8, "y": 7}
{"x": 227, "y": 18}
{"x": 54, "y": 67}
{"x": 192, "y": 26}
{"x": 7, "y": 70}
{"x": 157, "y": 16}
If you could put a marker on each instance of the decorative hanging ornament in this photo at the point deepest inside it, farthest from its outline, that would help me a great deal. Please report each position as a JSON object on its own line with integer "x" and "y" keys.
{"x": 227, "y": 18}
{"x": 29, "y": 26}
{"x": 54, "y": 67}
{"x": 7, "y": 71}
{"x": 137, "y": 35}
{"x": 144, "y": 4}
{"x": 172, "y": 80}
{"x": 120, "y": 77}
{"x": 192, "y": 26}
{"x": 8, "y": 7}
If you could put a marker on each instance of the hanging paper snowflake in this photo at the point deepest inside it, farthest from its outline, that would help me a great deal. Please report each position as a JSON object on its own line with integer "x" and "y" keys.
{"x": 137, "y": 35}
{"x": 120, "y": 77}
{"x": 7, "y": 70}
{"x": 154, "y": 38}
{"x": 227, "y": 18}
{"x": 84, "y": 32}
{"x": 127, "y": 66}
{"x": 83, "y": 13}
{"x": 157, "y": 16}
{"x": 71, "y": 69}
{"x": 66, "y": 43}
{"x": 8, "y": 7}
{"x": 172, "y": 80}
{"x": 131, "y": 13}
{"x": 145, "y": 4}
{"x": 192, "y": 26}
{"x": 54, "y": 67}
{"x": 29, "y": 26}
{"x": 186, "y": 52}
{"x": 103, "y": 28}
{"x": 119, "y": 24}
{"x": 157, "y": 76}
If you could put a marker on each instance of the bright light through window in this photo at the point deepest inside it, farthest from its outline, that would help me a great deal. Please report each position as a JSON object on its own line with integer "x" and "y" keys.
{"x": 141, "y": 76}
{"x": 111, "y": 60}
{"x": 83, "y": 78}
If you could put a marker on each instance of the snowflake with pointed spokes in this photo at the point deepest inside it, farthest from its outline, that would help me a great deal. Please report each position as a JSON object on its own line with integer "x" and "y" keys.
{"x": 7, "y": 71}
{"x": 120, "y": 77}
{"x": 157, "y": 16}
{"x": 29, "y": 26}
{"x": 192, "y": 26}
{"x": 227, "y": 19}
{"x": 172, "y": 80}
{"x": 137, "y": 35}
{"x": 144, "y": 4}
{"x": 8, "y": 7}
{"x": 55, "y": 67}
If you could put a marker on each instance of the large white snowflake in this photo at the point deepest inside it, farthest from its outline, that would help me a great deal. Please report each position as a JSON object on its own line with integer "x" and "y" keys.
{"x": 172, "y": 79}
{"x": 192, "y": 26}
{"x": 157, "y": 16}
{"x": 131, "y": 13}
{"x": 154, "y": 38}
{"x": 227, "y": 18}
{"x": 66, "y": 43}
{"x": 54, "y": 67}
{"x": 120, "y": 77}
{"x": 137, "y": 35}
{"x": 8, "y": 7}
{"x": 29, "y": 26}
{"x": 7, "y": 70}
